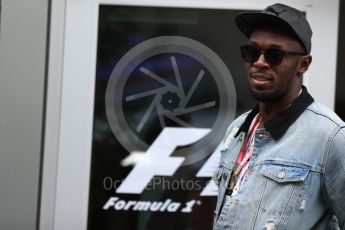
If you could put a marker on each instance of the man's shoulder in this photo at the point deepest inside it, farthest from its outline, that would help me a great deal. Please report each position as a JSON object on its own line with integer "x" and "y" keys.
{"x": 324, "y": 114}
{"x": 236, "y": 124}
{"x": 240, "y": 119}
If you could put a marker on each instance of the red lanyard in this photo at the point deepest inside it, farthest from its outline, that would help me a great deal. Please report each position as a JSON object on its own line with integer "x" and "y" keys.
{"x": 243, "y": 156}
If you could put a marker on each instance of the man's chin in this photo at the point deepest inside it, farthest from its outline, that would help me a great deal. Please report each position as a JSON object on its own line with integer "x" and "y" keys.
{"x": 265, "y": 96}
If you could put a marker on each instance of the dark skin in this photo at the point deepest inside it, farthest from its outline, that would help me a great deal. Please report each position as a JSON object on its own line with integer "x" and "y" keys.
{"x": 276, "y": 87}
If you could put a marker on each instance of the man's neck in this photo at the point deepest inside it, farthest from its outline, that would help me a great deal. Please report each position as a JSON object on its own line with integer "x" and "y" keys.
{"x": 269, "y": 110}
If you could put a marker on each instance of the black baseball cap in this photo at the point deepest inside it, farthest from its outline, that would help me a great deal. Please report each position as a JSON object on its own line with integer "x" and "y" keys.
{"x": 281, "y": 15}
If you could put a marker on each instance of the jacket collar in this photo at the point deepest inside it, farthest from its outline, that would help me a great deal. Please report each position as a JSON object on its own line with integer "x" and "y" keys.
{"x": 279, "y": 124}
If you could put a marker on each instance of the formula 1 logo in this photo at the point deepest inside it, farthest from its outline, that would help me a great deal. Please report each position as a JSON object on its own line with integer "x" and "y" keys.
{"x": 158, "y": 162}
{"x": 195, "y": 93}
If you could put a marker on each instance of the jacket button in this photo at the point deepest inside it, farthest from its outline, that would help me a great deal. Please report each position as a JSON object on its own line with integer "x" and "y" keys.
{"x": 281, "y": 174}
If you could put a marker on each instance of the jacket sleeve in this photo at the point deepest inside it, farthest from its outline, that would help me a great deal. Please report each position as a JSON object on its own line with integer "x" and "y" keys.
{"x": 333, "y": 180}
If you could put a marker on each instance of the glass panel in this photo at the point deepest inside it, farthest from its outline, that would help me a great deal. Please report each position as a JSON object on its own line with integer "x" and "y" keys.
{"x": 159, "y": 68}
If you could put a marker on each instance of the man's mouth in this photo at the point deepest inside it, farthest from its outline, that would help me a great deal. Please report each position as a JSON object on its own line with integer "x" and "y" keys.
{"x": 260, "y": 80}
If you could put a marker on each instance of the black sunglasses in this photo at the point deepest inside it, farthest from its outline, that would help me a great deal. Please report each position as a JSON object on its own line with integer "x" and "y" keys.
{"x": 273, "y": 56}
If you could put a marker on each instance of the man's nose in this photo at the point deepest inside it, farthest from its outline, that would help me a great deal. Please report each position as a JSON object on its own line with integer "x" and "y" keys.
{"x": 261, "y": 62}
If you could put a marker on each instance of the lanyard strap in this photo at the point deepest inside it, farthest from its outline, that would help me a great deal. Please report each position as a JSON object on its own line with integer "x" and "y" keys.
{"x": 245, "y": 153}
{"x": 243, "y": 156}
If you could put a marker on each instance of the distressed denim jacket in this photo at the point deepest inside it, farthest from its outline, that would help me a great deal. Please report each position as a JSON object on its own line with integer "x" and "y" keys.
{"x": 296, "y": 174}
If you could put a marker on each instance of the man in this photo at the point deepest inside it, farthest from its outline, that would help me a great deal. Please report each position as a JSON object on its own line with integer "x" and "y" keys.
{"x": 283, "y": 163}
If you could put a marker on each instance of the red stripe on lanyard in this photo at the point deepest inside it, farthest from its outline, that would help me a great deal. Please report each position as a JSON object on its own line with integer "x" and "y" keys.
{"x": 242, "y": 156}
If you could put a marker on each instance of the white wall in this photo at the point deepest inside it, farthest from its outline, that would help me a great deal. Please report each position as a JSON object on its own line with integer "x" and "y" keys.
{"x": 321, "y": 79}
{"x": 22, "y": 71}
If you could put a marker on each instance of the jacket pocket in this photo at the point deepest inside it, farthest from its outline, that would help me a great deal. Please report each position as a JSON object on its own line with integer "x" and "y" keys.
{"x": 284, "y": 173}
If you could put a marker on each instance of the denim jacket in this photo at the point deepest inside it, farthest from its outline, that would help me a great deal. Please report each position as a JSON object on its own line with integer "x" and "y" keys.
{"x": 296, "y": 174}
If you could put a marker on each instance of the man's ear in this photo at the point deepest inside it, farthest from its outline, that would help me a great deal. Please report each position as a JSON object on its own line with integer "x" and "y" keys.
{"x": 304, "y": 64}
